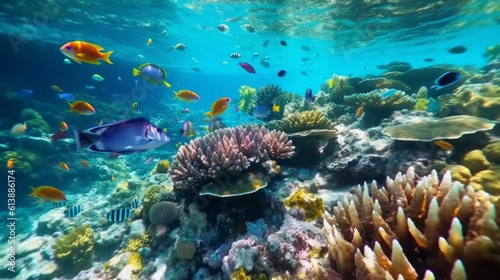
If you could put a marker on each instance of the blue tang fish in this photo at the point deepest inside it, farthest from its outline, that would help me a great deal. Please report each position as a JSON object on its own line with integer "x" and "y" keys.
{"x": 389, "y": 93}
{"x": 25, "y": 92}
{"x": 309, "y": 96}
{"x": 447, "y": 79}
{"x": 66, "y": 96}
{"x": 152, "y": 73}
{"x": 264, "y": 111}
{"x": 122, "y": 137}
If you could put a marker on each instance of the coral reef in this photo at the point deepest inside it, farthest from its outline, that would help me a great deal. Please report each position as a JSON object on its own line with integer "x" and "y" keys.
{"x": 268, "y": 93}
{"x": 248, "y": 99}
{"x": 151, "y": 196}
{"x": 410, "y": 228}
{"x": 339, "y": 90}
{"x": 313, "y": 206}
{"x": 492, "y": 52}
{"x": 161, "y": 167}
{"x": 34, "y": 120}
{"x": 74, "y": 251}
{"x": 163, "y": 213}
{"x": 303, "y": 121}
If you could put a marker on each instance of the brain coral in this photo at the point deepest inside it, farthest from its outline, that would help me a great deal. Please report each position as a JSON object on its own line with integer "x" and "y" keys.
{"x": 163, "y": 213}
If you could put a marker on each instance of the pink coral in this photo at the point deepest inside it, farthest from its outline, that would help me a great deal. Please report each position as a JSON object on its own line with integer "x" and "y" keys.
{"x": 227, "y": 151}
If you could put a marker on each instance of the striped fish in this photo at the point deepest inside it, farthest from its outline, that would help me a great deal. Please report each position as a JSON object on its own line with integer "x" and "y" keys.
{"x": 135, "y": 203}
{"x": 73, "y": 211}
{"x": 59, "y": 204}
{"x": 119, "y": 215}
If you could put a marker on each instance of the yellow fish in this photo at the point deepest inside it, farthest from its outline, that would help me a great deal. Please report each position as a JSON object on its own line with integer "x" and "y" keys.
{"x": 330, "y": 83}
{"x": 56, "y": 88}
{"x": 276, "y": 108}
{"x": 444, "y": 145}
{"x": 218, "y": 107}
{"x": 135, "y": 108}
{"x": 149, "y": 42}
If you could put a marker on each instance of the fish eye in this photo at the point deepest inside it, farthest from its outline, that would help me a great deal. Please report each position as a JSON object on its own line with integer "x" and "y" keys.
{"x": 159, "y": 130}
{"x": 68, "y": 47}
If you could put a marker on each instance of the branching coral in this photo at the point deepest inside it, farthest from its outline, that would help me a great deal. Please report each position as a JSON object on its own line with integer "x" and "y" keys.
{"x": 302, "y": 121}
{"x": 407, "y": 229}
{"x": 227, "y": 151}
{"x": 373, "y": 99}
{"x": 74, "y": 251}
{"x": 248, "y": 99}
{"x": 341, "y": 88}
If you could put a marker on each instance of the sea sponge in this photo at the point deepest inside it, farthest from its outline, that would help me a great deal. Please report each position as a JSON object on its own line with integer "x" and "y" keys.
{"x": 492, "y": 152}
{"x": 302, "y": 121}
{"x": 446, "y": 128}
{"x": 458, "y": 173}
{"x": 248, "y": 99}
{"x": 475, "y": 161}
{"x": 74, "y": 251}
{"x": 409, "y": 229}
{"x": 164, "y": 213}
{"x": 313, "y": 206}
{"x": 34, "y": 120}
{"x": 161, "y": 167}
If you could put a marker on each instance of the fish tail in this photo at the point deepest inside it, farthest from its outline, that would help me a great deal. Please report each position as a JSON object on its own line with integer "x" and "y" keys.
{"x": 176, "y": 94}
{"x": 166, "y": 84}
{"x": 136, "y": 72}
{"x": 106, "y": 55}
{"x": 210, "y": 114}
{"x": 83, "y": 139}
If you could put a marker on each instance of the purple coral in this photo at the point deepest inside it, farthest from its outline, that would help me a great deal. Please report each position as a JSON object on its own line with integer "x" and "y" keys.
{"x": 227, "y": 151}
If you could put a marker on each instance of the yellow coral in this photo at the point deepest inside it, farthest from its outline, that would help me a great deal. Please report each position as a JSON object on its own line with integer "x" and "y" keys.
{"x": 492, "y": 152}
{"x": 488, "y": 180}
{"x": 134, "y": 244}
{"x": 161, "y": 167}
{"x": 458, "y": 173}
{"x": 135, "y": 261}
{"x": 302, "y": 121}
{"x": 312, "y": 205}
{"x": 75, "y": 250}
{"x": 248, "y": 97}
{"x": 422, "y": 104}
{"x": 475, "y": 161}
{"x": 240, "y": 274}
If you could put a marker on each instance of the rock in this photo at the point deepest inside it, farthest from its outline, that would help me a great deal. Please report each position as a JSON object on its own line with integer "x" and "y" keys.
{"x": 475, "y": 161}
{"x": 51, "y": 222}
{"x": 109, "y": 240}
{"x": 29, "y": 246}
{"x": 137, "y": 228}
{"x": 48, "y": 271}
{"x": 304, "y": 174}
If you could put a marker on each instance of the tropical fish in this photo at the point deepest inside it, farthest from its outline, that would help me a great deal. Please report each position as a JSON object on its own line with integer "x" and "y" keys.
{"x": 186, "y": 95}
{"x": 85, "y": 163}
{"x": 218, "y": 107}
{"x": 59, "y": 204}
{"x": 334, "y": 80}
{"x": 58, "y": 135}
{"x": 135, "y": 203}
{"x": 18, "y": 129}
{"x": 264, "y": 110}
{"x": 457, "y": 50}
{"x": 444, "y": 145}
{"x": 360, "y": 111}
{"x": 90, "y": 87}
{"x": 81, "y": 108}
{"x": 223, "y": 28}
{"x": 187, "y": 129}
{"x": 152, "y": 73}
{"x": 306, "y": 48}
{"x": 283, "y": 43}
{"x": 64, "y": 166}
{"x": 186, "y": 111}
{"x": 135, "y": 108}
{"x": 10, "y": 163}
{"x": 149, "y": 42}
{"x": 48, "y": 193}
{"x": 119, "y": 215}
{"x": 122, "y": 137}
{"x": 265, "y": 63}
{"x": 447, "y": 79}
{"x": 73, "y": 211}
{"x": 281, "y": 73}
{"x": 248, "y": 27}
{"x": 97, "y": 77}
{"x": 63, "y": 126}
{"x": 66, "y": 96}
{"x": 81, "y": 51}
{"x": 149, "y": 160}
{"x": 179, "y": 47}
{"x": 389, "y": 93}
{"x": 429, "y": 59}
{"x": 113, "y": 177}
{"x": 309, "y": 96}
{"x": 164, "y": 33}
{"x": 235, "y": 55}
{"x": 249, "y": 68}
{"x": 25, "y": 92}
{"x": 265, "y": 43}
{"x": 216, "y": 124}
{"x": 56, "y": 88}
{"x": 67, "y": 61}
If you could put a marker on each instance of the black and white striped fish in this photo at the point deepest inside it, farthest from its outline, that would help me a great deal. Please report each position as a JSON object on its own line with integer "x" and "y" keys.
{"x": 135, "y": 203}
{"x": 119, "y": 215}
{"x": 73, "y": 211}
{"x": 59, "y": 204}
{"x": 235, "y": 55}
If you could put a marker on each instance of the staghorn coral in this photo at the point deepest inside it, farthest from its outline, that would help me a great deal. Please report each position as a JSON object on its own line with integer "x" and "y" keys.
{"x": 74, "y": 251}
{"x": 312, "y": 205}
{"x": 226, "y": 151}
{"x": 248, "y": 99}
{"x": 446, "y": 128}
{"x": 266, "y": 94}
{"x": 303, "y": 121}
{"x": 163, "y": 213}
{"x": 407, "y": 229}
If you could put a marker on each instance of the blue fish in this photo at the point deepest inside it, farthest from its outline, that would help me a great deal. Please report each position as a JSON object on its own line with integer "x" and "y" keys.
{"x": 389, "y": 93}
{"x": 309, "y": 96}
{"x": 66, "y": 96}
{"x": 119, "y": 215}
{"x": 447, "y": 79}
{"x": 122, "y": 137}
{"x": 25, "y": 92}
{"x": 73, "y": 211}
{"x": 264, "y": 111}
{"x": 59, "y": 204}
{"x": 135, "y": 203}
{"x": 216, "y": 124}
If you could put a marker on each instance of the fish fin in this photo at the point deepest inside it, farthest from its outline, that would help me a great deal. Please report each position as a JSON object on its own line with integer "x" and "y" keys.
{"x": 434, "y": 87}
{"x": 99, "y": 48}
{"x": 136, "y": 72}
{"x": 77, "y": 61}
{"x": 33, "y": 193}
{"x": 166, "y": 84}
{"x": 94, "y": 62}
{"x": 181, "y": 131}
{"x": 210, "y": 114}
{"x": 176, "y": 94}
{"x": 314, "y": 98}
{"x": 105, "y": 57}
{"x": 83, "y": 139}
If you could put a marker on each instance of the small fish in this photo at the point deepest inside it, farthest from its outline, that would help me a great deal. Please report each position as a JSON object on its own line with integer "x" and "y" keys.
{"x": 309, "y": 96}
{"x": 56, "y": 88}
{"x": 122, "y": 137}
{"x": 73, "y": 211}
{"x": 81, "y": 108}
{"x": 64, "y": 166}
{"x": 119, "y": 215}
{"x": 281, "y": 73}
{"x": 264, "y": 111}
{"x": 58, "y": 135}
{"x": 66, "y": 96}
{"x": 84, "y": 163}
{"x": 444, "y": 145}
{"x": 218, "y": 107}
{"x": 63, "y": 126}
{"x": 447, "y": 79}
{"x": 186, "y": 95}
{"x": 265, "y": 43}
{"x": 179, "y": 47}
{"x": 457, "y": 50}
{"x": 59, "y": 204}
{"x": 119, "y": 78}
{"x": 149, "y": 160}
{"x": 67, "y": 61}
{"x": 389, "y": 93}
{"x": 223, "y": 28}
{"x": 135, "y": 108}
{"x": 249, "y": 68}
{"x": 135, "y": 203}
{"x": 283, "y": 43}
{"x": 186, "y": 111}
{"x": 113, "y": 177}
{"x": 152, "y": 73}
{"x": 25, "y": 92}
{"x": 90, "y": 87}
{"x": 18, "y": 129}
{"x": 187, "y": 129}
{"x": 48, "y": 193}
{"x": 265, "y": 63}
{"x": 236, "y": 109}
{"x": 81, "y": 51}
{"x": 196, "y": 69}
{"x": 360, "y": 111}
{"x": 10, "y": 163}
{"x": 164, "y": 33}
{"x": 255, "y": 54}
{"x": 248, "y": 27}
{"x": 97, "y": 77}
{"x": 306, "y": 48}
{"x": 304, "y": 73}
{"x": 149, "y": 42}
{"x": 429, "y": 59}
{"x": 178, "y": 144}
{"x": 216, "y": 124}
{"x": 235, "y": 55}
{"x": 223, "y": 62}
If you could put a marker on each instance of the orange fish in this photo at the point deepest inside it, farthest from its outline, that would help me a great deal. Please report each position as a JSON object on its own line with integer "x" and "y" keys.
{"x": 56, "y": 88}
{"x": 18, "y": 129}
{"x": 186, "y": 95}
{"x": 64, "y": 166}
{"x": 81, "y": 108}
{"x": 64, "y": 126}
{"x": 219, "y": 106}
{"x": 10, "y": 163}
{"x": 85, "y": 163}
{"x": 48, "y": 193}
{"x": 444, "y": 145}
{"x": 360, "y": 111}
{"x": 81, "y": 51}
{"x": 149, "y": 42}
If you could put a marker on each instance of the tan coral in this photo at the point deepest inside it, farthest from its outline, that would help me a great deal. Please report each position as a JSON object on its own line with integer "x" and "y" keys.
{"x": 406, "y": 229}
{"x": 475, "y": 161}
